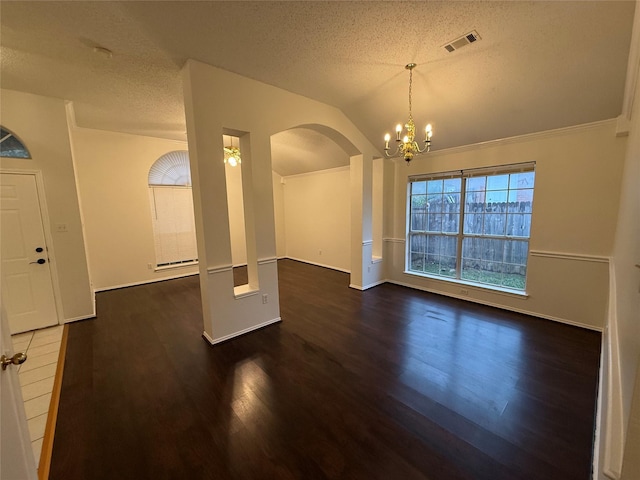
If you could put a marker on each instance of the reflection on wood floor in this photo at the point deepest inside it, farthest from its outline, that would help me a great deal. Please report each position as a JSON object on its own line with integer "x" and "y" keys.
{"x": 390, "y": 383}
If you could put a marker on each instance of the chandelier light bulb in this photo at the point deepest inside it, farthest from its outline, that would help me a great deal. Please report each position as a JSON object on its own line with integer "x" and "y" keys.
{"x": 405, "y": 139}
{"x": 232, "y": 161}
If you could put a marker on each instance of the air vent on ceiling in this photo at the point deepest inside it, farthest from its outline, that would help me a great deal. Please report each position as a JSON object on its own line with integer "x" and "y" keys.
{"x": 462, "y": 41}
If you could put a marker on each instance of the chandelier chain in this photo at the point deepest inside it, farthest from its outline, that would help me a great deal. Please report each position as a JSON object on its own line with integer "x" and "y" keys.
{"x": 410, "y": 84}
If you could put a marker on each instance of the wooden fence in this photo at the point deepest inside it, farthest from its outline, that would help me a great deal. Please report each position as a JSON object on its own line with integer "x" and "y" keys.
{"x": 510, "y": 222}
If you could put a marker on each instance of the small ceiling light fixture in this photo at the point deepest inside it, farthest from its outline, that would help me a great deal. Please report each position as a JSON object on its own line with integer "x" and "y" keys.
{"x": 232, "y": 155}
{"x": 406, "y": 146}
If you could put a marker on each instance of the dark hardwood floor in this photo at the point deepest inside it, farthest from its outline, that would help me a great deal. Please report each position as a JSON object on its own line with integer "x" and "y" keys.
{"x": 390, "y": 383}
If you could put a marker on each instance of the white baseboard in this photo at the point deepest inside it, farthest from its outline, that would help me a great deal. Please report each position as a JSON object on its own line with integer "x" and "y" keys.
{"x": 241, "y": 332}
{"x": 145, "y": 282}
{"x": 497, "y": 305}
{"x": 367, "y": 287}
{"x": 331, "y": 267}
{"x": 208, "y": 338}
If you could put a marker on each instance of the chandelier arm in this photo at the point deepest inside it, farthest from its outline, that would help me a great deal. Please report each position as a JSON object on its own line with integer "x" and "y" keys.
{"x": 394, "y": 154}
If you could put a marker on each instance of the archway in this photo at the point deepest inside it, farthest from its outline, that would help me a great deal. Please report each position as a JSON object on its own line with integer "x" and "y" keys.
{"x": 317, "y": 221}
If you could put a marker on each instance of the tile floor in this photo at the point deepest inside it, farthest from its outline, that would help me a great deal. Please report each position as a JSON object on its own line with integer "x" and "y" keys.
{"x": 36, "y": 377}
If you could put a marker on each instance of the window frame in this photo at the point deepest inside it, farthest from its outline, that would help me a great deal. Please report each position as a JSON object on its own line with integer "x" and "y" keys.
{"x": 8, "y": 136}
{"x": 461, "y": 234}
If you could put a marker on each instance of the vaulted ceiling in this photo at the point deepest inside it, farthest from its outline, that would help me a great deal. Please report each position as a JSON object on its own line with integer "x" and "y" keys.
{"x": 538, "y": 65}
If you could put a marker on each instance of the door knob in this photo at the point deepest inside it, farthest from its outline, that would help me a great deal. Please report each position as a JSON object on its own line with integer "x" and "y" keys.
{"x": 40, "y": 261}
{"x": 39, "y": 249}
{"x": 17, "y": 359}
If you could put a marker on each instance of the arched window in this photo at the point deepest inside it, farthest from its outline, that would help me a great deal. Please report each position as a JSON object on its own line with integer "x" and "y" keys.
{"x": 172, "y": 210}
{"x": 12, "y": 146}
{"x": 171, "y": 169}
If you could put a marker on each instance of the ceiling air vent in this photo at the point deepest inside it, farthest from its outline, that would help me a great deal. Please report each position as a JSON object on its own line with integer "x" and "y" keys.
{"x": 462, "y": 41}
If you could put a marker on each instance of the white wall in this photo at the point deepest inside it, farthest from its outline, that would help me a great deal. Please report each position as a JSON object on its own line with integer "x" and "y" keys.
{"x": 112, "y": 170}
{"x": 578, "y": 172}
{"x": 317, "y": 218}
{"x": 41, "y": 123}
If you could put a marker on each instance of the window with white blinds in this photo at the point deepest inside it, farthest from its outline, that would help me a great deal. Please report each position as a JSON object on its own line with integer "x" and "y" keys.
{"x": 172, "y": 214}
{"x": 173, "y": 225}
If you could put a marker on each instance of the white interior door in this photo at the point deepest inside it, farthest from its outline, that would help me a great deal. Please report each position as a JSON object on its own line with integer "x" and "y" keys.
{"x": 27, "y": 288}
{"x": 16, "y": 455}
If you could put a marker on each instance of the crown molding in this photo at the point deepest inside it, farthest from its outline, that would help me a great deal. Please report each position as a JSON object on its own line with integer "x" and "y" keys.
{"x": 528, "y": 137}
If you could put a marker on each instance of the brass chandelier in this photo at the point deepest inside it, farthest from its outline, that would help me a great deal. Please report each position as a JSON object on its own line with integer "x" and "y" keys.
{"x": 232, "y": 155}
{"x": 407, "y": 147}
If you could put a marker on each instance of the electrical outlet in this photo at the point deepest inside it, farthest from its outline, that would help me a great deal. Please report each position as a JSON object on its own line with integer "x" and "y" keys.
{"x": 150, "y": 266}
{"x": 265, "y": 298}
{"x": 464, "y": 291}
{"x": 319, "y": 252}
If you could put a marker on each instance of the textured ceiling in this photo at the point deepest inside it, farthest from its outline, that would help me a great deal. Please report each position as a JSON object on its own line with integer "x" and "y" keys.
{"x": 539, "y": 65}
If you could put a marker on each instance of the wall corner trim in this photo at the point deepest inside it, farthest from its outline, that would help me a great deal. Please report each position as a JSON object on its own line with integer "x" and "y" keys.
{"x": 264, "y": 261}
{"x": 523, "y": 138}
{"x": 614, "y": 436}
{"x": 569, "y": 256}
{"x": 623, "y": 124}
{"x": 220, "y": 269}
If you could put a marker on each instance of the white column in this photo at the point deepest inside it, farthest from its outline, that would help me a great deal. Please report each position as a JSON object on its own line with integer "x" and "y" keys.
{"x": 361, "y": 176}
{"x": 230, "y": 311}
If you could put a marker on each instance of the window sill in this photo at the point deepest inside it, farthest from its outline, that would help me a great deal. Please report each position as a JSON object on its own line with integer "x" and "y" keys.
{"x": 244, "y": 291}
{"x": 479, "y": 286}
